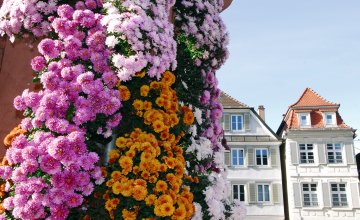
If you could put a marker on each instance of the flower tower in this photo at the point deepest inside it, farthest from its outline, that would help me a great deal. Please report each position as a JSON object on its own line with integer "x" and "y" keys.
{"x": 125, "y": 122}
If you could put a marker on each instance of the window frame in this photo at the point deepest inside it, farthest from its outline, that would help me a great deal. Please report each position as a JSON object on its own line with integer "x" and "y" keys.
{"x": 335, "y": 152}
{"x": 237, "y": 123}
{"x": 308, "y": 120}
{"x": 312, "y": 195}
{"x": 339, "y": 194}
{"x": 239, "y": 193}
{"x": 333, "y": 119}
{"x": 263, "y": 193}
{"x": 238, "y": 157}
{"x": 307, "y": 152}
{"x": 262, "y": 157}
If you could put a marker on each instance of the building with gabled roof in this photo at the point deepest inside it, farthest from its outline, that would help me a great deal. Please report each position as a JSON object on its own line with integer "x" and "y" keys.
{"x": 318, "y": 161}
{"x": 253, "y": 160}
{"x": 310, "y": 100}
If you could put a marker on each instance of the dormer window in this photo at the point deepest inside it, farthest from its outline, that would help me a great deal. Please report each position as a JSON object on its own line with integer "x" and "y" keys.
{"x": 304, "y": 119}
{"x": 330, "y": 119}
{"x": 237, "y": 122}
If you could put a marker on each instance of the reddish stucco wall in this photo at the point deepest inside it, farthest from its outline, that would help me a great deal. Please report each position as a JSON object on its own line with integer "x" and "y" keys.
{"x": 15, "y": 76}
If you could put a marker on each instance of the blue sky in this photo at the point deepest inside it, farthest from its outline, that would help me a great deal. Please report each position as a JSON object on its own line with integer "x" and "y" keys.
{"x": 280, "y": 47}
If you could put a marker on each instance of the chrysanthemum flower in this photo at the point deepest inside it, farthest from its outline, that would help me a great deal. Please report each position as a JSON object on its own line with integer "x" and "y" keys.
{"x": 144, "y": 90}
{"x": 124, "y": 93}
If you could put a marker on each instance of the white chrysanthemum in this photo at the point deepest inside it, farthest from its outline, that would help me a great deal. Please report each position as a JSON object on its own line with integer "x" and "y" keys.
{"x": 238, "y": 211}
{"x": 198, "y": 212}
{"x": 198, "y": 115}
{"x": 201, "y": 147}
{"x": 111, "y": 41}
{"x": 193, "y": 130}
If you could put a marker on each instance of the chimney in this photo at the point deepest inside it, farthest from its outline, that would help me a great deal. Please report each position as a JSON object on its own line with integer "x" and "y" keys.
{"x": 261, "y": 112}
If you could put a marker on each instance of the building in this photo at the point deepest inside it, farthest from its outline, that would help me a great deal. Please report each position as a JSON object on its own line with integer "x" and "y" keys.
{"x": 253, "y": 159}
{"x": 318, "y": 161}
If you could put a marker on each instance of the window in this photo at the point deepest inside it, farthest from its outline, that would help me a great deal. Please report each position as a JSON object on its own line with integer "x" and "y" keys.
{"x": 334, "y": 153}
{"x": 263, "y": 193}
{"x": 330, "y": 118}
{"x": 338, "y": 194}
{"x": 239, "y": 192}
{"x": 237, "y": 157}
{"x": 306, "y": 153}
{"x": 310, "y": 194}
{"x": 304, "y": 119}
{"x": 236, "y": 122}
{"x": 262, "y": 157}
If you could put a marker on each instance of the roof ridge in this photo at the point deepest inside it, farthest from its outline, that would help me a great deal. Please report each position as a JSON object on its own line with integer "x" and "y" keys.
{"x": 321, "y": 96}
{"x": 308, "y": 89}
{"x": 233, "y": 99}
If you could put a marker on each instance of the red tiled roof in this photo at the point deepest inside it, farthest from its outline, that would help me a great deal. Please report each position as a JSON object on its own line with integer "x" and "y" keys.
{"x": 311, "y": 98}
{"x": 229, "y": 102}
{"x": 318, "y": 104}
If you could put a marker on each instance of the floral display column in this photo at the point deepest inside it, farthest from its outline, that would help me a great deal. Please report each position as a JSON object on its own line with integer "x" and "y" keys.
{"x": 126, "y": 122}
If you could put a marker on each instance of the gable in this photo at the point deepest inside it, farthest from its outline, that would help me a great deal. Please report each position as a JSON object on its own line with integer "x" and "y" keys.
{"x": 257, "y": 127}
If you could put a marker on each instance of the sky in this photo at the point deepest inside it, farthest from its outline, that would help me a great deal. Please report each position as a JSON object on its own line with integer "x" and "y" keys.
{"x": 280, "y": 47}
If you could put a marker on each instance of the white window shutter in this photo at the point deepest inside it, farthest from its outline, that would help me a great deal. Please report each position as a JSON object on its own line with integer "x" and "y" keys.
{"x": 250, "y": 156}
{"x": 252, "y": 193}
{"x": 349, "y": 152}
{"x": 227, "y": 158}
{"x": 354, "y": 187}
{"x": 274, "y": 156}
{"x": 297, "y": 195}
{"x": 294, "y": 151}
{"x": 247, "y": 121}
{"x": 226, "y": 121}
{"x": 322, "y": 153}
{"x": 276, "y": 189}
{"x": 326, "y": 195}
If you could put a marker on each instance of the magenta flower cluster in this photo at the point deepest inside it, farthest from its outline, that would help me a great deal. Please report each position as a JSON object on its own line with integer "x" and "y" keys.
{"x": 75, "y": 74}
{"x": 53, "y": 170}
{"x": 19, "y": 17}
{"x": 49, "y": 173}
{"x": 145, "y": 26}
{"x": 201, "y": 20}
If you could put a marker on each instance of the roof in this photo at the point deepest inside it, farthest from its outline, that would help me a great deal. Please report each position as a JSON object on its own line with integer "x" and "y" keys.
{"x": 314, "y": 104}
{"x": 311, "y": 98}
{"x": 229, "y": 102}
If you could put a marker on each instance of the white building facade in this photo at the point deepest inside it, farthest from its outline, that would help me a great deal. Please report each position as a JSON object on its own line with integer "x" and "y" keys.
{"x": 253, "y": 160}
{"x": 318, "y": 162}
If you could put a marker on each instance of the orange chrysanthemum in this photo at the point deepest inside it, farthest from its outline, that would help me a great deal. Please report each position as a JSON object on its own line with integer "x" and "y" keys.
{"x": 160, "y": 101}
{"x": 150, "y": 199}
{"x": 188, "y": 118}
{"x": 180, "y": 213}
{"x": 144, "y": 90}
{"x": 124, "y": 93}
{"x": 116, "y": 175}
{"x": 138, "y": 104}
{"x": 161, "y": 186}
{"x": 168, "y": 78}
{"x": 121, "y": 142}
{"x": 139, "y": 192}
{"x": 12, "y": 135}
{"x": 167, "y": 209}
{"x": 128, "y": 215}
{"x": 126, "y": 164}
{"x": 147, "y": 105}
{"x": 158, "y": 126}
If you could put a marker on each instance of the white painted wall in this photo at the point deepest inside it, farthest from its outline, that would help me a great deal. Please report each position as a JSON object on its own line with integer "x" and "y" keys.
{"x": 322, "y": 174}
{"x": 257, "y": 174}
